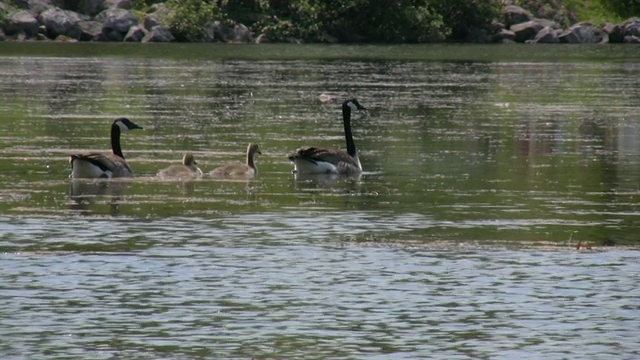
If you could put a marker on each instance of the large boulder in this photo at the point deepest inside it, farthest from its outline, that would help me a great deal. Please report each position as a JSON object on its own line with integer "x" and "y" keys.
{"x": 527, "y": 30}
{"x": 21, "y": 22}
{"x": 614, "y": 32}
{"x": 60, "y": 22}
{"x": 157, "y": 16}
{"x": 36, "y": 7}
{"x": 135, "y": 34}
{"x": 116, "y": 23}
{"x": 547, "y": 35}
{"x": 514, "y": 14}
{"x": 89, "y": 30}
{"x": 631, "y": 27}
{"x": 218, "y": 31}
{"x": 503, "y": 36}
{"x": 631, "y": 39}
{"x": 582, "y": 33}
{"x": 94, "y": 7}
{"x": 159, "y": 33}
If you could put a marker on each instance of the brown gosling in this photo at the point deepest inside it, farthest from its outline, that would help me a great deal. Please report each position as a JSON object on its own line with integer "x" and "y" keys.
{"x": 247, "y": 171}
{"x": 186, "y": 170}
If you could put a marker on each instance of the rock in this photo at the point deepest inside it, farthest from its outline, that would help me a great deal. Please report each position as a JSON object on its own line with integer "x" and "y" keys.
{"x": 515, "y": 15}
{"x": 64, "y": 38}
{"x": 118, "y": 4}
{"x": 94, "y": 7}
{"x": 526, "y": 31}
{"x": 36, "y": 7}
{"x": 21, "y": 21}
{"x": 91, "y": 7}
{"x": 614, "y": 31}
{"x": 60, "y": 22}
{"x": 159, "y": 33}
{"x": 135, "y": 34}
{"x": 89, "y": 30}
{"x": 217, "y": 31}
{"x": 3, "y": 37}
{"x": 241, "y": 33}
{"x": 631, "y": 39}
{"x": 157, "y": 16}
{"x": 504, "y": 35}
{"x": 116, "y": 24}
{"x": 547, "y": 35}
{"x": 631, "y": 27}
{"x": 581, "y": 33}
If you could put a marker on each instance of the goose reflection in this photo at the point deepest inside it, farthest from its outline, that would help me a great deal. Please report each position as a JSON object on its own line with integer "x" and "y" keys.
{"x": 84, "y": 194}
{"x": 314, "y": 182}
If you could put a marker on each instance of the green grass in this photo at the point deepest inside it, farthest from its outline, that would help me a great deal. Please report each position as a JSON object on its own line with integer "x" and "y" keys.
{"x": 594, "y": 11}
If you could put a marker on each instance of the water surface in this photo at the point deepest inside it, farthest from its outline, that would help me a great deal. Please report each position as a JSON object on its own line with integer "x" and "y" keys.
{"x": 484, "y": 167}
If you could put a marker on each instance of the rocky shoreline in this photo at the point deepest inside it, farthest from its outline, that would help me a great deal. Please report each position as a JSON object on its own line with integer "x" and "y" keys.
{"x": 114, "y": 20}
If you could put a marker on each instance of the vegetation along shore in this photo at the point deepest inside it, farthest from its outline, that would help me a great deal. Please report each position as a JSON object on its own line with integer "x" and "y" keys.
{"x": 332, "y": 21}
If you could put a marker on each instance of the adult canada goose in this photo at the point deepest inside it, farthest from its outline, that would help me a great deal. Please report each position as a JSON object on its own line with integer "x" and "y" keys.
{"x": 104, "y": 165}
{"x": 247, "y": 170}
{"x": 187, "y": 170}
{"x": 318, "y": 160}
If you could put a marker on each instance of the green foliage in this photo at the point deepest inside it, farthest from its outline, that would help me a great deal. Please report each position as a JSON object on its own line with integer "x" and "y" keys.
{"x": 623, "y": 8}
{"x": 187, "y": 18}
{"x": 465, "y": 18}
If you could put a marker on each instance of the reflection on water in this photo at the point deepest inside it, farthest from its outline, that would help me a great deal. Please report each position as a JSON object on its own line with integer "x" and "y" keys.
{"x": 458, "y": 240}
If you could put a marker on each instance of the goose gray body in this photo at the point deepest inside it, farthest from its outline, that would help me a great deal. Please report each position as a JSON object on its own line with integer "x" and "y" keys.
{"x": 187, "y": 170}
{"x": 246, "y": 170}
{"x": 97, "y": 165}
{"x": 319, "y": 160}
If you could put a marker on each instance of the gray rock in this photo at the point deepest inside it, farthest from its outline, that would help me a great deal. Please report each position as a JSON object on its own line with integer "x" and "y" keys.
{"x": 89, "y": 30}
{"x": 118, "y": 4}
{"x": 514, "y": 14}
{"x": 527, "y": 30}
{"x": 157, "y": 16}
{"x": 91, "y": 7}
{"x": 135, "y": 34}
{"x": 217, "y": 31}
{"x": 94, "y": 7}
{"x": 581, "y": 33}
{"x": 631, "y": 27}
{"x": 21, "y": 21}
{"x": 3, "y": 37}
{"x": 504, "y": 35}
{"x": 36, "y": 7}
{"x": 60, "y": 22}
{"x": 614, "y": 31}
{"x": 547, "y": 35}
{"x": 116, "y": 24}
{"x": 159, "y": 34}
{"x": 631, "y": 39}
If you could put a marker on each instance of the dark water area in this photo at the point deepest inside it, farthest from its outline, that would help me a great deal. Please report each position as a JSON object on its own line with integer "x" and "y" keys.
{"x": 484, "y": 167}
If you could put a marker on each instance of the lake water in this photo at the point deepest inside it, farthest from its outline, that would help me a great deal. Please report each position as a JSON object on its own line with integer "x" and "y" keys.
{"x": 484, "y": 166}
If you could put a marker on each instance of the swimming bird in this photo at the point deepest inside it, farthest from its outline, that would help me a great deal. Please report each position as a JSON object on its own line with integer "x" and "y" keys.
{"x": 248, "y": 170}
{"x": 318, "y": 160}
{"x": 186, "y": 170}
{"x": 104, "y": 165}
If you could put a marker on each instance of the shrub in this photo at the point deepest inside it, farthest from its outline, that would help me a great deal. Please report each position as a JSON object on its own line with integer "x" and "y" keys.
{"x": 187, "y": 18}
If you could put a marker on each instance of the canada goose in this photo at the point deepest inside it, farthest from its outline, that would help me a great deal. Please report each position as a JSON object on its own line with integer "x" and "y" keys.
{"x": 187, "y": 170}
{"x": 317, "y": 160}
{"x": 104, "y": 165}
{"x": 247, "y": 170}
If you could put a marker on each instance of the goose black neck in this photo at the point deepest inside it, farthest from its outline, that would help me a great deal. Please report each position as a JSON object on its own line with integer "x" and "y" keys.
{"x": 115, "y": 140}
{"x": 346, "y": 117}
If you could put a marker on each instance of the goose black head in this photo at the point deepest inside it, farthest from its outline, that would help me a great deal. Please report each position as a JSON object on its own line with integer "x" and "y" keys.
{"x": 125, "y": 124}
{"x": 352, "y": 105}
